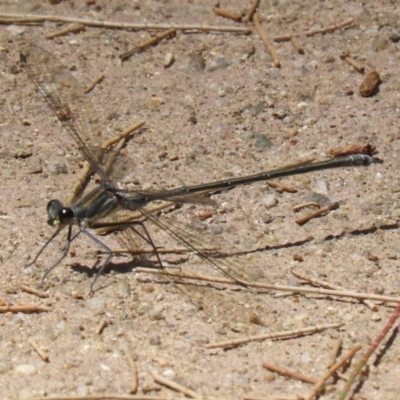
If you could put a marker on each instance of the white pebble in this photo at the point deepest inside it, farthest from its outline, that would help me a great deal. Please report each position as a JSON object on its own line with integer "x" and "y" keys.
{"x": 26, "y": 369}
{"x": 321, "y": 186}
{"x": 269, "y": 201}
{"x": 302, "y": 105}
{"x": 169, "y": 373}
{"x": 105, "y": 367}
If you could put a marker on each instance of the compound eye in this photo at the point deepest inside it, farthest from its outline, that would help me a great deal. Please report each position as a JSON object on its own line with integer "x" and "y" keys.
{"x": 58, "y": 214}
{"x": 54, "y": 208}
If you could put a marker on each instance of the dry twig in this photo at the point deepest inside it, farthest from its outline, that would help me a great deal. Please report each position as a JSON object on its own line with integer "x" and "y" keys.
{"x": 346, "y": 57}
{"x": 276, "y": 335}
{"x": 94, "y": 83}
{"x": 36, "y": 292}
{"x": 320, "y": 383}
{"x": 24, "y": 308}
{"x": 102, "y": 397}
{"x": 266, "y": 41}
{"x": 176, "y": 386}
{"x": 287, "y": 372}
{"x": 318, "y": 213}
{"x": 10, "y": 18}
{"x": 297, "y": 44}
{"x": 279, "y": 185}
{"x": 305, "y": 205}
{"x": 374, "y": 345}
{"x": 44, "y": 356}
{"x": 150, "y": 42}
{"x": 227, "y": 14}
{"x": 345, "y": 24}
{"x": 103, "y": 323}
{"x": 259, "y": 285}
{"x": 364, "y": 148}
{"x": 134, "y": 375}
{"x": 76, "y": 27}
{"x": 251, "y": 11}
{"x": 327, "y": 285}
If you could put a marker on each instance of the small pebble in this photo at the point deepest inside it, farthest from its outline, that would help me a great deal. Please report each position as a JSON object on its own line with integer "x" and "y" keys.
{"x": 280, "y": 114}
{"x": 105, "y": 367}
{"x": 221, "y": 93}
{"x": 302, "y": 105}
{"x": 22, "y": 153}
{"x": 169, "y": 59}
{"x": 34, "y": 166}
{"x": 216, "y": 230}
{"x": 16, "y": 29}
{"x": 57, "y": 167}
{"x": 262, "y": 142}
{"x": 155, "y": 340}
{"x": 321, "y": 186}
{"x": 394, "y": 37}
{"x": 156, "y": 314}
{"x": 196, "y": 62}
{"x": 269, "y": 201}
{"x": 217, "y": 62}
{"x": 169, "y": 373}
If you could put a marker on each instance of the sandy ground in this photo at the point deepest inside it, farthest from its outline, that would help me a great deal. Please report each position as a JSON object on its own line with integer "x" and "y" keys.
{"x": 221, "y": 110}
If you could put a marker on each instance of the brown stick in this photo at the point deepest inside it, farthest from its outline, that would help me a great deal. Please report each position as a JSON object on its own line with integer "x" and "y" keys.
{"x": 176, "y": 386}
{"x": 132, "y": 364}
{"x": 266, "y": 41}
{"x": 331, "y": 370}
{"x": 36, "y": 292}
{"x": 294, "y": 289}
{"x": 345, "y": 24}
{"x": 305, "y": 205}
{"x": 102, "y": 397}
{"x": 287, "y": 372}
{"x": 318, "y": 213}
{"x": 122, "y": 135}
{"x": 251, "y": 11}
{"x": 227, "y": 14}
{"x": 103, "y": 323}
{"x": 76, "y": 27}
{"x": 44, "y": 356}
{"x": 24, "y": 308}
{"x": 15, "y": 18}
{"x": 277, "y": 335}
{"x": 297, "y": 44}
{"x": 327, "y": 285}
{"x": 278, "y": 185}
{"x": 94, "y": 83}
{"x": 364, "y": 148}
{"x": 147, "y": 43}
{"x": 346, "y": 57}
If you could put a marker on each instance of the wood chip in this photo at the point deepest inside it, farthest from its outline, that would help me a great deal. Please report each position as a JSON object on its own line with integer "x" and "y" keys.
{"x": 370, "y": 84}
{"x": 356, "y": 148}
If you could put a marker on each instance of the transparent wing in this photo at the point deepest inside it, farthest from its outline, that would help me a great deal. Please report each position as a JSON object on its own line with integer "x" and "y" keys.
{"x": 67, "y": 100}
